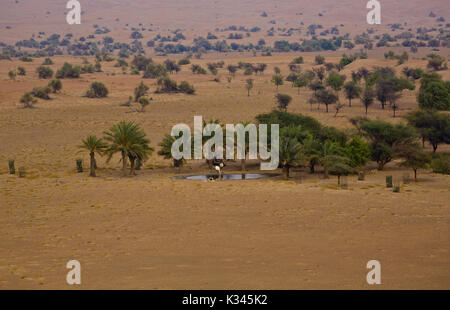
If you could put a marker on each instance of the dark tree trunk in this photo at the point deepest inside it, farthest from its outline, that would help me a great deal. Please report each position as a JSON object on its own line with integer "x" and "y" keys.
{"x": 415, "y": 175}
{"x": 435, "y": 146}
{"x": 325, "y": 172}
{"x": 366, "y": 109}
{"x": 349, "y": 102}
{"x": 327, "y": 107}
{"x": 286, "y": 172}
{"x": 92, "y": 173}
{"x": 243, "y": 166}
{"x": 132, "y": 166}
{"x": 124, "y": 164}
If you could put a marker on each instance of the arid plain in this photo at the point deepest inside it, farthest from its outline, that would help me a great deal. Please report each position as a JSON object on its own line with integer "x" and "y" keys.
{"x": 151, "y": 231}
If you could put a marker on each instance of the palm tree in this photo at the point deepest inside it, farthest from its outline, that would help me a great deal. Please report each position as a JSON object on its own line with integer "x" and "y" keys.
{"x": 93, "y": 145}
{"x": 166, "y": 150}
{"x": 328, "y": 153}
{"x": 130, "y": 140}
{"x": 290, "y": 148}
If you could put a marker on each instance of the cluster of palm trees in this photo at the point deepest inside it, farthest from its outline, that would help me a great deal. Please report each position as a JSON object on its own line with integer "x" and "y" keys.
{"x": 126, "y": 138}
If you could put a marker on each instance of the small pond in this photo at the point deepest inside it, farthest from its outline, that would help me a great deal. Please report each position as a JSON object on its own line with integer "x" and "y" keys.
{"x": 243, "y": 176}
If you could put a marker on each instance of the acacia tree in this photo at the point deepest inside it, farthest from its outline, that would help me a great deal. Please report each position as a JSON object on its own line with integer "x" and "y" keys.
{"x": 367, "y": 97}
{"x": 277, "y": 79}
{"x": 414, "y": 158}
{"x": 140, "y": 91}
{"x": 352, "y": 91}
{"x": 386, "y": 139}
{"x": 433, "y": 126}
{"x": 283, "y": 101}
{"x": 249, "y": 86}
{"x": 335, "y": 81}
{"x": 93, "y": 145}
{"x": 326, "y": 97}
{"x": 301, "y": 81}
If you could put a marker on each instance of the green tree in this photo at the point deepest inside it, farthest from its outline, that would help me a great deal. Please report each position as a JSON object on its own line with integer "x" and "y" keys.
{"x": 414, "y": 158}
{"x": 432, "y": 125}
{"x": 328, "y": 153}
{"x": 335, "y": 81}
{"x": 386, "y": 138}
{"x": 357, "y": 151}
{"x": 21, "y": 71}
{"x": 326, "y": 97}
{"x": 434, "y": 93}
{"x": 44, "y": 72}
{"x": 12, "y": 75}
{"x": 277, "y": 79}
{"x": 290, "y": 152}
{"x": 55, "y": 85}
{"x": 367, "y": 97}
{"x": 93, "y": 145}
{"x": 128, "y": 139}
{"x": 140, "y": 91}
{"x": 97, "y": 90}
{"x": 249, "y": 86}
{"x": 352, "y": 91}
{"x": 283, "y": 101}
{"x": 28, "y": 100}
{"x": 166, "y": 150}
{"x": 301, "y": 81}
{"x": 143, "y": 101}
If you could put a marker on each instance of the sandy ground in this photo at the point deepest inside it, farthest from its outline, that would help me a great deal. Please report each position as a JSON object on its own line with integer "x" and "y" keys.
{"x": 155, "y": 232}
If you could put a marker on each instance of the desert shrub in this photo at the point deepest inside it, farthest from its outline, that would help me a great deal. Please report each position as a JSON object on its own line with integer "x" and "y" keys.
{"x": 184, "y": 61}
{"x": 12, "y": 169}
{"x": 436, "y": 62}
{"x": 141, "y": 62}
{"x": 44, "y": 72}
{"x": 47, "y": 62}
{"x": 154, "y": 71}
{"x": 298, "y": 60}
{"x": 87, "y": 69}
{"x": 26, "y": 59}
{"x": 68, "y": 71}
{"x": 197, "y": 69}
{"x": 186, "y": 88}
{"x": 143, "y": 101}
{"x": 21, "y": 71}
{"x": 28, "y": 100}
{"x": 167, "y": 85}
{"x": 12, "y": 75}
{"x": 140, "y": 91}
{"x": 319, "y": 60}
{"x": 55, "y": 85}
{"x": 41, "y": 92}
{"x": 441, "y": 164}
{"x": 97, "y": 90}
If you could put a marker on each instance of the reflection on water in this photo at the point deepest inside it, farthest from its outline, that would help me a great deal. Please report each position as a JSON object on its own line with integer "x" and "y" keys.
{"x": 243, "y": 176}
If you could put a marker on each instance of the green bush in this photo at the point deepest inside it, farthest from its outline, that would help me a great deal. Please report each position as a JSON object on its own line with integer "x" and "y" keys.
{"x": 97, "y": 90}
{"x": 44, "y": 72}
{"x": 55, "y": 85}
{"x": 68, "y": 71}
{"x": 41, "y": 92}
{"x": 186, "y": 88}
{"x": 12, "y": 169}
{"x": 441, "y": 164}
